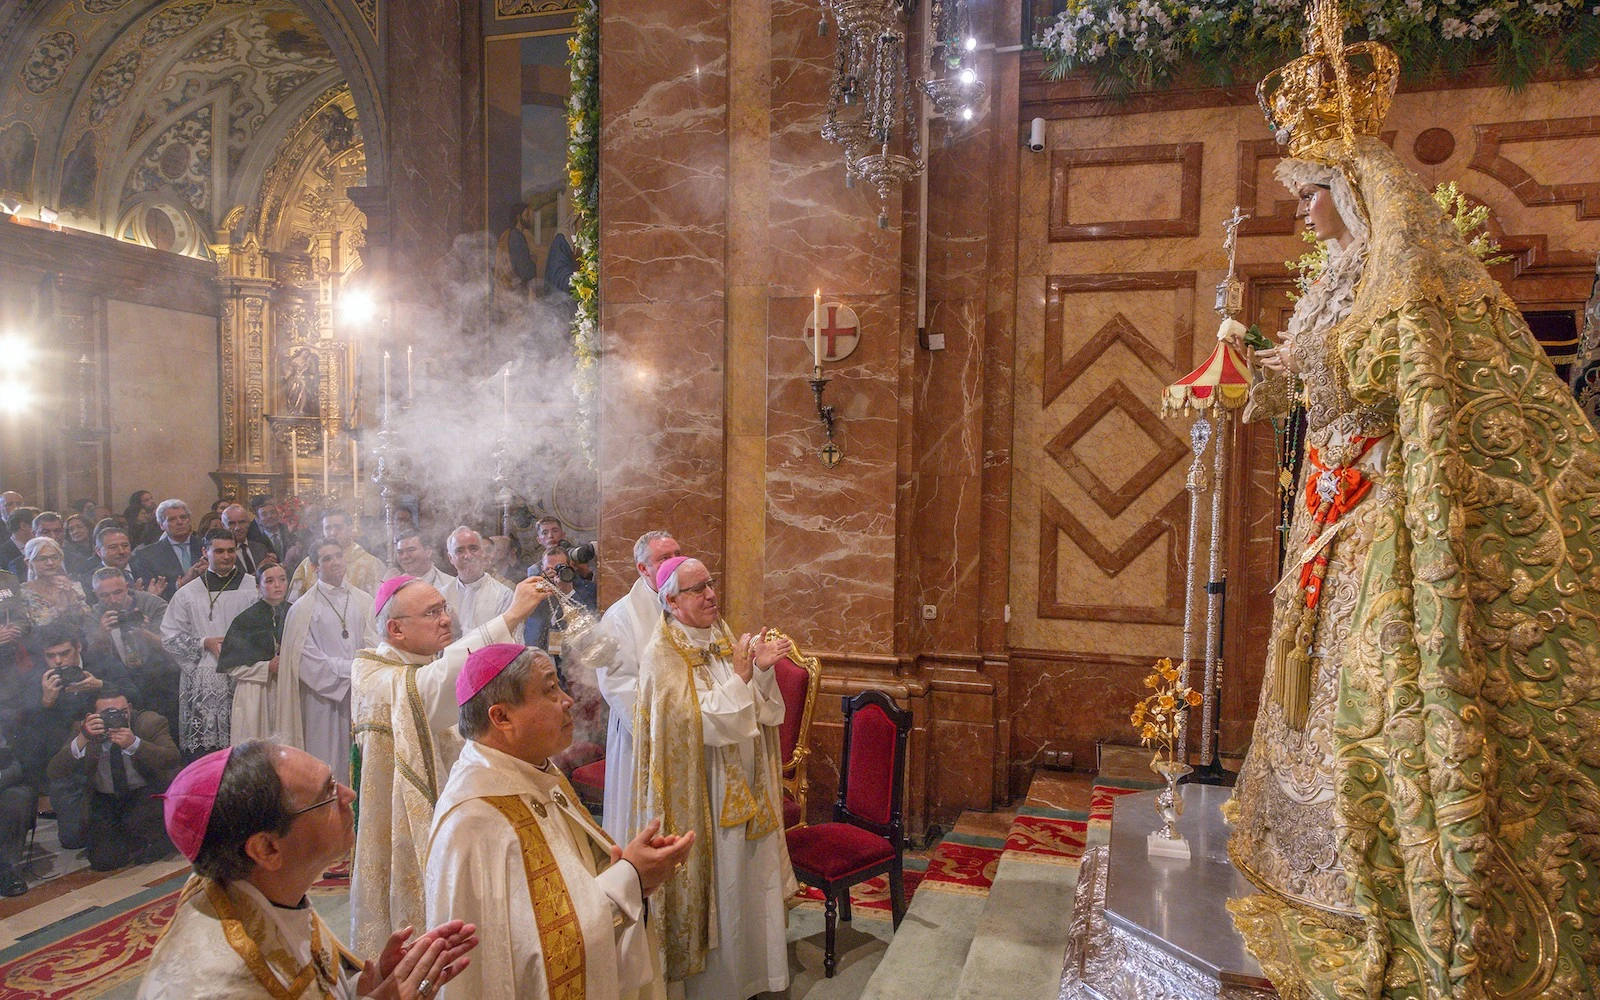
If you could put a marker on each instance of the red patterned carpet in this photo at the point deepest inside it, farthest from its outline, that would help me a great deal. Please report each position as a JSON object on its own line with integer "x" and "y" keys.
{"x": 86, "y": 955}
{"x": 89, "y": 954}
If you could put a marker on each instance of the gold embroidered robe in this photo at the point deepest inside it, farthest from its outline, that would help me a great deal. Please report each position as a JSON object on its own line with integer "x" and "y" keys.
{"x": 706, "y": 759}
{"x": 207, "y": 955}
{"x": 403, "y": 708}
{"x": 1466, "y": 783}
{"x": 476, "y": 872}
{"x": 1282, "y": 811}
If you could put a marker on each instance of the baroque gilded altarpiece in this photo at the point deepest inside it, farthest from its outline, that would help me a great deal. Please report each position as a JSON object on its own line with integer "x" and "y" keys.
{"x": 289, "y": 366}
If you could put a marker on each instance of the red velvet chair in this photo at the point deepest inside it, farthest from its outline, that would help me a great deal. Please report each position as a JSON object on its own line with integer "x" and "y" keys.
{"x": 589, "y": 781}
{"x": 866, "y": 838}
{"x": 798, "y": 676}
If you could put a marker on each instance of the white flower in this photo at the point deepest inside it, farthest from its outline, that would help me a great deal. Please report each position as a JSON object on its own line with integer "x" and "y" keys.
{"x": 1450, "y": 27}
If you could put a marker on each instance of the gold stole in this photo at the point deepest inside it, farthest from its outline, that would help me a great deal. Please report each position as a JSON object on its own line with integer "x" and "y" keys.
{"x": 560, "y": 933}
{"x": 323, "y": 969}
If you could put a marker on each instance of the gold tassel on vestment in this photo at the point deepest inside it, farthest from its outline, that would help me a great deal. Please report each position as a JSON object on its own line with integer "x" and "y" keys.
{"x": 1293, "y": 666}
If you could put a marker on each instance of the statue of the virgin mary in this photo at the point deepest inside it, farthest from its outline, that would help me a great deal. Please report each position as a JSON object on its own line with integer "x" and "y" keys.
{"x": 1421, "y": 803}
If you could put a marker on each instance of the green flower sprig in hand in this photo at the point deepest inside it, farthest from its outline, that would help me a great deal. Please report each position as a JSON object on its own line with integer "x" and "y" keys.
{"x": 1159, "y": 717}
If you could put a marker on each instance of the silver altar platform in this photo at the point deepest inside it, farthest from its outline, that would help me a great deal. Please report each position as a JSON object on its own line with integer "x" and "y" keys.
{"x": 1145, "y": 928}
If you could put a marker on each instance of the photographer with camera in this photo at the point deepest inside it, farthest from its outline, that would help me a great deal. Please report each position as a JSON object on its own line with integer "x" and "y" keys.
{"x": 67, "y": 683}
{"x": 130, "y": 632}
{"x": 119, "y": 760}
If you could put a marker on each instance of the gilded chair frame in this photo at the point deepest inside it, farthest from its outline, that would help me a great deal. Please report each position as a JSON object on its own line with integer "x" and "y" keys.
{"x": 797, "y": 785}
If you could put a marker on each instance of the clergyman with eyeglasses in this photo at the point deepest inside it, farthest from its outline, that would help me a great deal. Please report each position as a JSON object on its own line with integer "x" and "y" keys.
{"x": 403, "y": 707}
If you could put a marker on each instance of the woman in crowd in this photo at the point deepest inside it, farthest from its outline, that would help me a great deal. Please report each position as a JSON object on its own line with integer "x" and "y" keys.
{"x": 140, "y": 515}
{"x": 49, "y": 592}
{"x": 79, "y": 549}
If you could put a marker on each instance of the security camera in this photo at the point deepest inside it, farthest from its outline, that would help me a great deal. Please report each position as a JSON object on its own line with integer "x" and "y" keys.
{"x": 1036, "y": 136}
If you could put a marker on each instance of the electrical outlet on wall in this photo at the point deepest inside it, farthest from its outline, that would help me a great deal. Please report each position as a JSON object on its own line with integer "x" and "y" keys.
{"x": 930, "y": 612}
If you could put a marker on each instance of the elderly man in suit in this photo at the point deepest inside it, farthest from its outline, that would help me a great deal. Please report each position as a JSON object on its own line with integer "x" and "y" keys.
{"x": 254, "y": 553}
{"x": 177, "y": 556}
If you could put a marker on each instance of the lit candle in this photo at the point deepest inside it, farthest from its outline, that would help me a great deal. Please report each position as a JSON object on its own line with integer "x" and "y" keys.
{"x": 816, "y": 329}
{"x": 408, "y": 374}
{"x": 355, "y": 469}
{"x": 324, "y": 460}
{"x": 294, "y": 460}
{"x": 386, "y": 386}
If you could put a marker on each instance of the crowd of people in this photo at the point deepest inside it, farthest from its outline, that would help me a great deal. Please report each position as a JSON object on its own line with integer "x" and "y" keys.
{"x": 193, "y": 626}
{"x": 236, "y": 690}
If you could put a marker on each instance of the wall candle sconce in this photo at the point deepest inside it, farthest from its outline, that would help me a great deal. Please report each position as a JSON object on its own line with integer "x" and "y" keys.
{"x": 830, "y": 453}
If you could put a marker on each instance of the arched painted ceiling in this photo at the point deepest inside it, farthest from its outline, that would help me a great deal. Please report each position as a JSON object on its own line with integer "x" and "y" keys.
{"x": 109, "y": 105}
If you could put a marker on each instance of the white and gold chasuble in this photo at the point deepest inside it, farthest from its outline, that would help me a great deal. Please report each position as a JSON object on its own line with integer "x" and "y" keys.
{"x": 229, "y": 942}
{"x": 706, "y": 759}
{"x": 514, "y": 852}
{"x": 403, "y": 708}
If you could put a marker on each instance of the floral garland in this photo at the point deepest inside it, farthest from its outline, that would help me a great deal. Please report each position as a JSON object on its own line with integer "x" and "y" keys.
{"x": 1132, "y": 44}
{"x": 583, "y": 174}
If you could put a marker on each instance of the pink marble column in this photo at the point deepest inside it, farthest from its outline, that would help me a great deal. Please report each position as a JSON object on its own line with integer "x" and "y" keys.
{"x": 663, "y": 208}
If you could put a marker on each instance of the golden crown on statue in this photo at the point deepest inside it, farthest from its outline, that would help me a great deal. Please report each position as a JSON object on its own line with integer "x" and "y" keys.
{"x": 1335, "y": 91}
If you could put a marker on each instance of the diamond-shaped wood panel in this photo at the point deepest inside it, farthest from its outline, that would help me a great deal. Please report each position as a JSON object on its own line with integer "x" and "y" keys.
{"x": 1061, "y": 370}
{"x": 1115, "y": 500}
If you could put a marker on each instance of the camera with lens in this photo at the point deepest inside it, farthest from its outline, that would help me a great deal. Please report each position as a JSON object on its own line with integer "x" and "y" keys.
{"x": 69, "y": 675}
{"x": 563, "y": 573}
{"x": 131, "y": 618}
{"x": 114, "y": 718}
{"x": 581, "y": 553}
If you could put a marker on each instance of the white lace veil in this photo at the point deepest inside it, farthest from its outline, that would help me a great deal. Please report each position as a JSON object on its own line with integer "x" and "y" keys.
{"x": 1293, "y": 173}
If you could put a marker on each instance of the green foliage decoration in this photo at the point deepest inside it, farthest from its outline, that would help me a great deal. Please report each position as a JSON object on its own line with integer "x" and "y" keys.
{"x": 1130, "y": 45}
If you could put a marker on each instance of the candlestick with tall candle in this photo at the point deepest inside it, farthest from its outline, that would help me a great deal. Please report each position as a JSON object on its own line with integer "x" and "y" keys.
{"x": 294, "y": 460}
{"x": 408, "y": 374}
{"x": 505, "y": 402}
{"x": 355, "y": 470}
{"x": 386, "y": 387}
{"x": 816, "y": 330}
{"x": 324, "y": 461}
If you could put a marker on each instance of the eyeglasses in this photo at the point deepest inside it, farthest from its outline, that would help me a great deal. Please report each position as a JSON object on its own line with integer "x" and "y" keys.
{"x": 431, "y": 613}
{"x": 699, "y": 587}
{"x": 317, "y": 805}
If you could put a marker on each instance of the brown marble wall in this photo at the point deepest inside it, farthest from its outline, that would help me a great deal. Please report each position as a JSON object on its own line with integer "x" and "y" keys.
{"x": 663, "y": 210}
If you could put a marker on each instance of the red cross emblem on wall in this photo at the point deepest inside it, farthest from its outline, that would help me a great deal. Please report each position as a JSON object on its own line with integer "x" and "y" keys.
{"x": 841, "y": 331}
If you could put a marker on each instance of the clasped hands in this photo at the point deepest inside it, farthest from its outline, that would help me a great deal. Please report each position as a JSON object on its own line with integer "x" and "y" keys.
{"x": 758, "y": 651}
{"x": 653, "y": 856}
{"x": 434, "y": 958}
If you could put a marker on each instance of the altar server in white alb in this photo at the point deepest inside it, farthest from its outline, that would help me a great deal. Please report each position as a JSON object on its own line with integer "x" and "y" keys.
{"x": 707, "y": 726}
{"x": 632, "y": 622}
{"x": 473, "y": 595}
{"x": 560, "y": 905}
{"x": 403, "y": 704}
{"x": 196, "y": 622}
{"x": 325, "y": 629}
{"x": 262, "y": 822}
